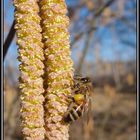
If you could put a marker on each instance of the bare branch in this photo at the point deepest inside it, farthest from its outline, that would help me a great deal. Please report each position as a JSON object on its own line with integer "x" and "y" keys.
{"x": 87, "y": 45}
{"x": 78, "y": 36}
{"x": 96, "y": 15}
{"x": 100, "y": 10}
{"x": 9, "y": 39}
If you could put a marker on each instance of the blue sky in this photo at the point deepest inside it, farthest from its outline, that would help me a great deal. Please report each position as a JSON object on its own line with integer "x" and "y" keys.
{"x": 108, "y": 47}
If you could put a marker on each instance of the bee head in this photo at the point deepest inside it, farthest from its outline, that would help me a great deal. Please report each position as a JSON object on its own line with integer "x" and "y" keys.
{"x": 79, "y": 98}
{"x": 85, "y": 80}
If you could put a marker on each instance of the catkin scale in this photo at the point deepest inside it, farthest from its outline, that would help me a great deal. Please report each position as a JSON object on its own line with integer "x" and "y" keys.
{"x": 31, "y": 56}
{"x": 59, "y": 71}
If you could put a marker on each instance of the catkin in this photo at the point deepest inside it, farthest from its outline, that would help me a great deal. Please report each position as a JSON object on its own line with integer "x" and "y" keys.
{"x": 31, "y": 56}
{"x": 59, "y": 66}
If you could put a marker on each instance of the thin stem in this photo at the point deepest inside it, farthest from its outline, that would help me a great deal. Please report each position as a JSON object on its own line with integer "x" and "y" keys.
{"x": 95, "y": 16}
{"x": 87, "y": 45}
{"x": 8, "y": 40}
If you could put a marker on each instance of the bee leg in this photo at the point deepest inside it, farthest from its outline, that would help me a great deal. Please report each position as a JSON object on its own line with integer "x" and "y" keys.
{"x": 78, "y": 107}
{"x": 70, "y": 106}
{"x": 68, "y": 98}
{"x": 67, "y": 115}
{"x": 72, "y": 118}
{"x": 75, "y": 113}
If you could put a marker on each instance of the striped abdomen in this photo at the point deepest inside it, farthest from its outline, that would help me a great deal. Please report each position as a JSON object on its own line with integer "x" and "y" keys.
{"x": 74, "y": 112}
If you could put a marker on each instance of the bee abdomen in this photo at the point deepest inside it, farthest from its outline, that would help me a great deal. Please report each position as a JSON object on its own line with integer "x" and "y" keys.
{"x": 73, "y": 114}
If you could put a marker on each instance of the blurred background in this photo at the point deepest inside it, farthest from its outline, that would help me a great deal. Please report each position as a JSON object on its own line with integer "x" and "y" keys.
{"x": 103, "y": 45}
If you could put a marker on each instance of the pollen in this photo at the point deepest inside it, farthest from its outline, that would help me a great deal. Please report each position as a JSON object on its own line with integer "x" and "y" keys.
{"x": 59, "y": 66}
{"x": 31, "y": 56}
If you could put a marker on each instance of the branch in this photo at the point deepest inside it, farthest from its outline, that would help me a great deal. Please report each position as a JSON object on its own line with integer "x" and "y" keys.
{"x": 95, "y": 16}
{"x": 87, "y": 45}
{"x": 9, "y": 39}
{"x": 78, "y": 36}
{"x": 129, "y": 43}
{"x": 101, "y": 10}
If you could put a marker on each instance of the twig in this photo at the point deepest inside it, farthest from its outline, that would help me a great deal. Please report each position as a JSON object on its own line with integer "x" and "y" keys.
{"x": 96, "y": 15}
{"x": 100, "y": 10}
{"x": 12, "y": 30}
{"x": 78, "y": 36}
{"x": 9, "y": 39}
{"x": 87, "y": 45}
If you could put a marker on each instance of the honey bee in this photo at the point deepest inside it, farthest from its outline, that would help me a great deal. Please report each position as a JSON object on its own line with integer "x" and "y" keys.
{"x": 80, "y": 101}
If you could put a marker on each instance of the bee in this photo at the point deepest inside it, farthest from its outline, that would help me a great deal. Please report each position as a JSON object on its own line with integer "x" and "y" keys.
{"x": 80, "y": 101}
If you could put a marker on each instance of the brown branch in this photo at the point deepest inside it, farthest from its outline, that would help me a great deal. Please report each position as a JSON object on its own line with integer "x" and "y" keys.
{"x": 78, "y": 36}
{"x": 87, "y": 45}
{"x": 12, "y": 30}
{"x": 101, "y": 10}
{"x": 9, "y": 39}
{"x": 95, "y": 16}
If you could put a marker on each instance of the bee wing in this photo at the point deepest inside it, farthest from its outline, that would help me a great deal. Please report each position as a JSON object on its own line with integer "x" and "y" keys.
{"x": 77, "y": 76}
{"x": 89, "y": 110}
